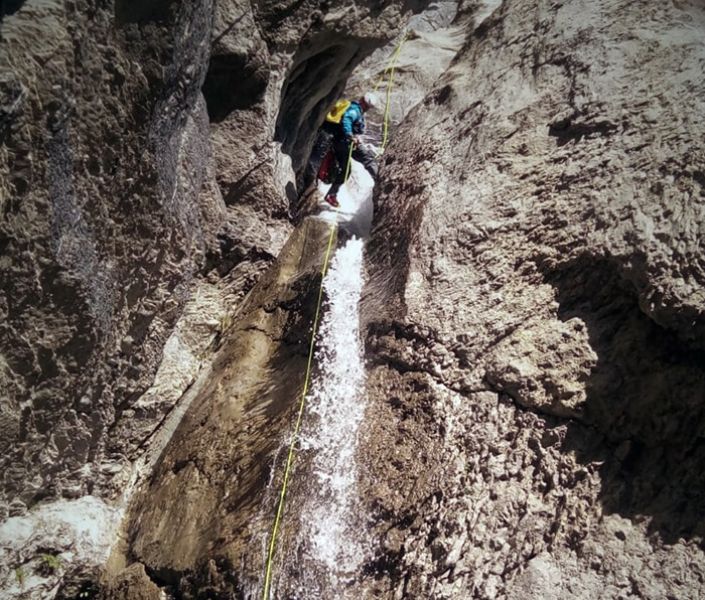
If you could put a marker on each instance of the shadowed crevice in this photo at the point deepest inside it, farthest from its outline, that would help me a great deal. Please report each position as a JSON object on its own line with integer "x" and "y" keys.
{"x": 645, "y": 396}
{"x": 233, "y": 82}
{"x": 144, "y": 11}
{"x": 10, "y": 7}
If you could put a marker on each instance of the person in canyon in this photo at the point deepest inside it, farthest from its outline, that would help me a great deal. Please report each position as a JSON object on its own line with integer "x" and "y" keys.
{"x": 343, "y": 124}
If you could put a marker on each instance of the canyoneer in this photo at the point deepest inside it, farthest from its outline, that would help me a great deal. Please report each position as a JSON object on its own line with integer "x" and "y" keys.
{"x": 343, "y": 126}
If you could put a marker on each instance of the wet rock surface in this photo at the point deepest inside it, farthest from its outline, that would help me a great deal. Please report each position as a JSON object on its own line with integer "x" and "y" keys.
{"x": 534, "y": 314}
{"x": 212, "y": 478}
{"x": 143, "y": 193}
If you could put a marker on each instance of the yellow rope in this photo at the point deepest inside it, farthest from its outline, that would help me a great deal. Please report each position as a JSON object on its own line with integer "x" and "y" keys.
{"x": 389, "y": 92}
{"x": 348, "y": 166}
{"x": 302, "y": 402}
{"x": 391, "y": 58}
{"x": 309, "y": 364}
{"x": 297, "y": 426}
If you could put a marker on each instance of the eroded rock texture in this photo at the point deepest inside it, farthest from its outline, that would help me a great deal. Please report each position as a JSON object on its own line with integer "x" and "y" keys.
{"x": 143, "y": 192}
{"x": 536, "y": 313}
{"x": 105, "y": 220}
{"x": 534, "y": 310}
{"x": 106, "y": 217}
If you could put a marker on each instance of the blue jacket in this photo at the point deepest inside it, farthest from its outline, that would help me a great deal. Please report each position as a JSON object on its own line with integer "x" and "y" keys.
{"x": 353, "y": 120}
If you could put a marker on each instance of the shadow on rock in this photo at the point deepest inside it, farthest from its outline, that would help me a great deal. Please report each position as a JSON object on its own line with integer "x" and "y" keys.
{"x": 10, "y": 7}
{"x": 646, "y": 398}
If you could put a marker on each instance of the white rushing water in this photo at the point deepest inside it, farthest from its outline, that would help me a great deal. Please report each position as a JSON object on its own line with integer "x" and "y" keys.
{"x": 329, "y": 530}
{"x": 355, "y": 196}
{"x": 336, "y": 409}
{"x": 330, "y": 547}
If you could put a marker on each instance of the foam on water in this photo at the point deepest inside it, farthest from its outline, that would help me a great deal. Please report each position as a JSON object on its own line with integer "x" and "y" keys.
{"x": 336, "y": 404}
{"x": 329, "y": 547}
{"x": 355, "y": 198}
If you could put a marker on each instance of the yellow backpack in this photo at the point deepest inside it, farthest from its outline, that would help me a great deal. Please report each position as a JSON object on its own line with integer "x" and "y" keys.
{"x": 337, "y": 112}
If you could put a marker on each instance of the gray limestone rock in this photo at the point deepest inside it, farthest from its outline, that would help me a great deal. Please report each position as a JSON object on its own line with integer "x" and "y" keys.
{"x": 148, "y": 154}
{"x": 535, "y": 315}
{"x": 534, "y": 311}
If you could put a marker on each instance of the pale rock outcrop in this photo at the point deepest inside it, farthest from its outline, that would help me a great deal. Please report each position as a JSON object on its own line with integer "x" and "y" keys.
{"x": 417, "y": 57}
{"x": 545, "y": 368}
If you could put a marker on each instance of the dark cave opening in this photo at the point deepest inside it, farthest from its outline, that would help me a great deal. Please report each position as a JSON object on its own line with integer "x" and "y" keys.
{"x": 10, "y": 7}
{"x": 311, "y": 88}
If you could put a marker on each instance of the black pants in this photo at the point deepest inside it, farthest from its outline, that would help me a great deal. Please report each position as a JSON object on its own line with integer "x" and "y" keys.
{"x": 363, "y": 155}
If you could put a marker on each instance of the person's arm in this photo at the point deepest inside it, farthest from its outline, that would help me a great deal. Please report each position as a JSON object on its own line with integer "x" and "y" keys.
{"x": 362, "y": 123}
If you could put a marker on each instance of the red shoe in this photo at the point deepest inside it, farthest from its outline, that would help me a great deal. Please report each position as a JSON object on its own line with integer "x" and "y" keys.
{"x": 332, "y": 200}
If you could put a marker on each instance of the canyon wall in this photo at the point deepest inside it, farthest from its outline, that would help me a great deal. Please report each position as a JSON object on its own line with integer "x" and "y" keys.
{"x": 535, "y": 313}
{"x": 106, "y": 220}
{"x": 143, "y": 192}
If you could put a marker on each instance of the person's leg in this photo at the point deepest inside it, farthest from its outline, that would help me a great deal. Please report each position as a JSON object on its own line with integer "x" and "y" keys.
{"x": 342, "y": 152}
{"x": 323, "y": 140}
{"x": 320, "y": 147}
{"x": 366, "y": 156}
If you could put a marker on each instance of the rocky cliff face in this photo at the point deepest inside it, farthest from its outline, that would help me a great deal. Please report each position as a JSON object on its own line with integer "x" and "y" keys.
{"x": 536, "y": 313}
{"x": 106, "y": 219}
{"x": 107, "y": 216}
{"x": 143, "y": 192}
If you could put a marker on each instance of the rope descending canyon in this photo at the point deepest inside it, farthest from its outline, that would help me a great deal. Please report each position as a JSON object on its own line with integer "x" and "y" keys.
{"x": 307, "y": 378}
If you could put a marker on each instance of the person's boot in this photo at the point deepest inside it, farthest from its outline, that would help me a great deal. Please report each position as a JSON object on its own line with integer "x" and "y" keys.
{"x": 332, "y": 199}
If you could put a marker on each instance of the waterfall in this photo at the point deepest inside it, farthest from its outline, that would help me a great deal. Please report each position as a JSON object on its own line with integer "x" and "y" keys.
{"x": 325, "y": 550}
{"x": 328, "y": 550}
{"x": 336, "y": 409}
